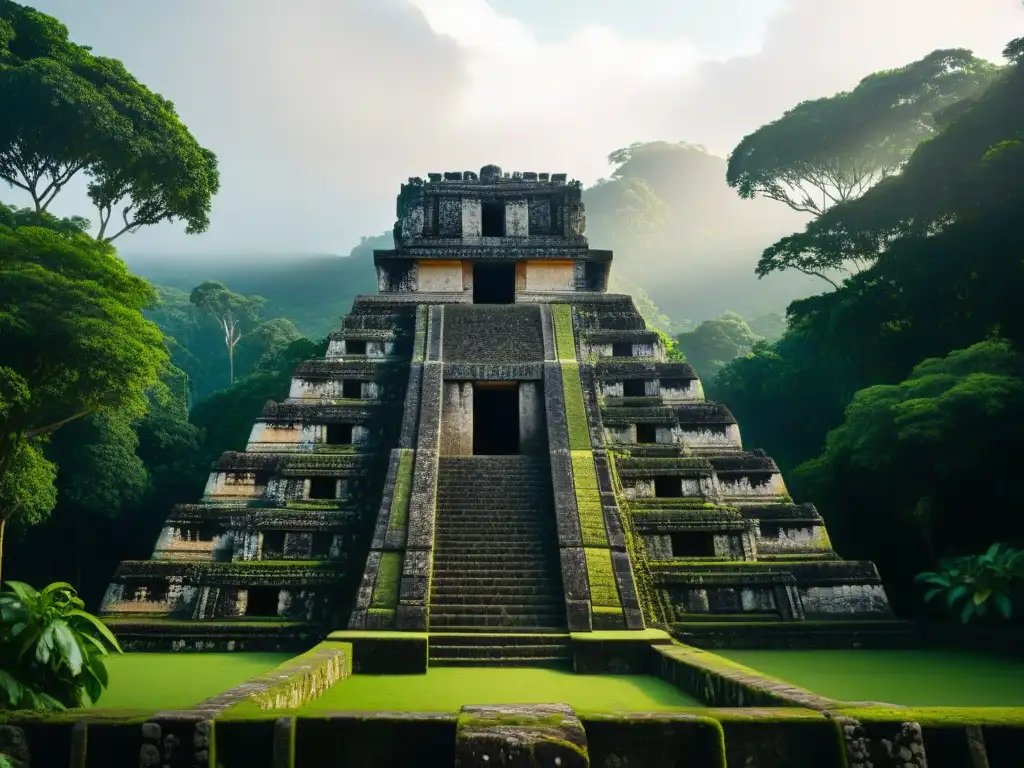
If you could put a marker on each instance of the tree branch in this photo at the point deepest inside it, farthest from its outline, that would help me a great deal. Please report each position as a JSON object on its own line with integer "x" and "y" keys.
{"x": 58, "y": 424}
{"x": 813, "y": 273}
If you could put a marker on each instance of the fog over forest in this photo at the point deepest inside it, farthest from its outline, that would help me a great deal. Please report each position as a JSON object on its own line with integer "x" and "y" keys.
{"x": 319, "y": 109}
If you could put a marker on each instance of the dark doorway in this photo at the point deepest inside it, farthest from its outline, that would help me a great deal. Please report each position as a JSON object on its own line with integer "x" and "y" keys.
{"x": 323, "y": 488}
{"x": 273, "y": 545}
{"x": 646, "y": 433}
{"x": 622, "y": 349}
{"x": 262, "y": 601}
{"x": 495, "y": 419}
{"x": 494, "y": 283}
{"x": 693, "y": 544}
{"x": 320, "y": 549}
{"x": 668, "y": 487}
{"x": 355, "y": 347}
{"x": 634, "y": 388}
{"x": 352, "y": 389}
{"x": 492, "y": 219}
{"x": 339, "y": 434}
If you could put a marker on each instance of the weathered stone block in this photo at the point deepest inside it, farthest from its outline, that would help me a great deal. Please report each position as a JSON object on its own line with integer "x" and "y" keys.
{"x": 543, "y": 736}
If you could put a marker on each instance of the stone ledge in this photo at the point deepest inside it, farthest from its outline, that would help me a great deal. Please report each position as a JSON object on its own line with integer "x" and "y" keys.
{"x": 289, "y": 686}
{"x": 385, "y": 653}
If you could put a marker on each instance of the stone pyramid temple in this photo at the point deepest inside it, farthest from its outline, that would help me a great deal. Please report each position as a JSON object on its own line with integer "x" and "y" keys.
{"x": 493, "y": 446}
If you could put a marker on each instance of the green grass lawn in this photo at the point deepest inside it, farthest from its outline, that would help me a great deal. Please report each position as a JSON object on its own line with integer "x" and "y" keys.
{"x": 448, "y": 689}
{"x": 177, "y": 680}
{"x": 911, "y": 678}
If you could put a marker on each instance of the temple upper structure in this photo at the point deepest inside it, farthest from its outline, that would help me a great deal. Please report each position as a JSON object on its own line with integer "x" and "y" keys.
{"x": 490, "y": 238}
{"x": 493, "y": 446}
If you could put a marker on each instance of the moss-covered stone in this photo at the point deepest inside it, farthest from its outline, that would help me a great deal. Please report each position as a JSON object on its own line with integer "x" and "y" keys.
{"x": 588, "y": 500}
{"x": 399, "y": 516}
{"x": 520, "y": 737}
{"x": 389, "y": 577}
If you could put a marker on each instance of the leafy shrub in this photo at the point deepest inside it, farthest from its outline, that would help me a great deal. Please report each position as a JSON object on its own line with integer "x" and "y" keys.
{"x": 984, "y": 582}
{"x": 51, "y": 649}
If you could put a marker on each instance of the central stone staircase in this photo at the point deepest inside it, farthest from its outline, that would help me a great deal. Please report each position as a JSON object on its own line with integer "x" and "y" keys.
{"x": 496, "y": 594}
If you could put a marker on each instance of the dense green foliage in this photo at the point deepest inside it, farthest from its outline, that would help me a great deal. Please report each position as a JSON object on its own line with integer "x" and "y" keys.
{"x": 68, "y": 111}
{"x": 895, "y": 392}
{"x": 313, "y": 292}
{"x": 52, "y": 651}
{"x": 991, "y": 580}
{"x": 716, "y": 342}
{"x": 75, "y": 346}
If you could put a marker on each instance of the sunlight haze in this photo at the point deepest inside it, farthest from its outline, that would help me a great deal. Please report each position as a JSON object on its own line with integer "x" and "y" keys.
{"x": 318, "y": 110}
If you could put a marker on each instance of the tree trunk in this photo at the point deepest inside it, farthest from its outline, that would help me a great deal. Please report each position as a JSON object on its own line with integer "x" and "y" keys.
{"x": 231, "y": 364}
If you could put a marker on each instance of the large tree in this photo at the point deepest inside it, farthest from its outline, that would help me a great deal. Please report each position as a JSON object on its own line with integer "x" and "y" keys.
{"x": 832, "y": 150}
{"x": 75, "y": 345}
{"x": 68, "y": 112}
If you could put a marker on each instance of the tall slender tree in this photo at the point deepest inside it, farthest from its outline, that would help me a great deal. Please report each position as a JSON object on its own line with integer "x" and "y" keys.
{"x": 235, "y": 313}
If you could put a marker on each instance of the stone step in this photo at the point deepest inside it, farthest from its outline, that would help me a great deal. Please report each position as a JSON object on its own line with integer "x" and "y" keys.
{"x": 486, "y": 521}
{"x": 556, "y": 650}
{"x": 490, "y": 515}
{"x": 482, "y": 609}
{"x": 553, "y": 662}
{"x": 452, "y": 590}
{"x": 452, "y": 580}
{"x": 513, "y": 499}
{"x": 460, "y": 586}
{"x": 472, "y": 536}
{"x": 539, "y": 550}
{"x": 499, "y": 633}
{"x": 496, "y": 622}
{"x": 444, "y": 639}
{"x": 527, "y": 556}
{"x": 481, "y": 571}
{"x": 547, "y": 599}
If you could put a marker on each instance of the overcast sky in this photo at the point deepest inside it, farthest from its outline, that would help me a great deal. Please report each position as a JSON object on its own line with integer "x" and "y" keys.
{"x": 319, "y": 109}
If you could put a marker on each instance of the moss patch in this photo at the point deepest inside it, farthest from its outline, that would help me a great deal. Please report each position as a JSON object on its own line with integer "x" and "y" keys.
{"x": 389, "y": 576}
{"x": 403, "y": 491}
{"x": 565, "y": 342}
{"x": 588, "y": 499}
{"x": 179, "y": 680}
{"x": 604, "y": 592}
{"x": 575, "y": 411}
{"x": 448, "y": 689}
{"x": 911, "y": 678}
{"x": 630, "y": 635}
{"x": 939, "y": 717}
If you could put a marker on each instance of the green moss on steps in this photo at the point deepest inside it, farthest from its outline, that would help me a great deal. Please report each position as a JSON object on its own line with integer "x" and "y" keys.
{"x": 565, "y": 342}
{"x": 604, "y": 593}
{"x": 625, "y": 635}
{"x": 588, "y": 500}
{"x": 575, "y": 411}
{"x": 399, "y": 516}
{"x": 389, "y": 576}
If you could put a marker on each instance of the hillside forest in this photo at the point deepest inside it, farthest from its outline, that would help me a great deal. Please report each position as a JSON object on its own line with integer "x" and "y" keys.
{"x": 846, "y": 281}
